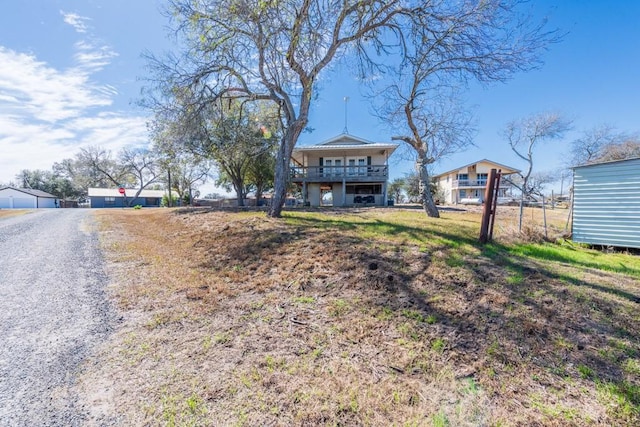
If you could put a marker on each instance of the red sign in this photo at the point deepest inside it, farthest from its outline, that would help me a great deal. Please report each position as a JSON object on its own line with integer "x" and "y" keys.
{"x": 121, "y": 190}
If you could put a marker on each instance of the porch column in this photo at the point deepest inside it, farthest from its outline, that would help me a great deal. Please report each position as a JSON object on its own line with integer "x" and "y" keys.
{"x": 304, "y": 193}
{"x": 344, "y": 191}
{"x": 384, "y": 194}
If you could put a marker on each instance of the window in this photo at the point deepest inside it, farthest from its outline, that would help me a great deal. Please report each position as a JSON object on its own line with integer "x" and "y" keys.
{"x": 151, "y": 201}
{"x": 360, "y": 162}
{"x": 333, "y": 166}
{"x": 109, "y": 200}
{"x": 364, "y": 189}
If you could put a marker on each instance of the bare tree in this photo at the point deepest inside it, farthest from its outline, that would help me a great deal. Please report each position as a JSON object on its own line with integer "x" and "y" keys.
{"x": 627, "y": 149}
{"x": 591, "y": 144}
{"x": 188, "y": 172}
{"x": 525, "y": 135}
{"x": 436, "y": 130}
{"x": 101, "y": 168}
{"x": 133, "y": 167}
{"x": 142, "y": 165}
{"x": 444, "y": 44}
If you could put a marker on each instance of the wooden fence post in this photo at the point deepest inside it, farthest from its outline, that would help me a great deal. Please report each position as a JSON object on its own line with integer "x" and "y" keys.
{"x": 490, "y": 203}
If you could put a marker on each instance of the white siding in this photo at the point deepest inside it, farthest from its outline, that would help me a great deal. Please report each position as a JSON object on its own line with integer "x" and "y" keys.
{"x": 24, "y": 202}
{"x": 606, "y": 207}
{"x": 10, "y": 198}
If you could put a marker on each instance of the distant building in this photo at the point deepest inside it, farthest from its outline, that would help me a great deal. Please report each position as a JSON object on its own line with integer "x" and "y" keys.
{"x": 111, "y": 198}
{"x": 466, "y": 184}
{"x": 606, "y": 203}
{"x": 343, "y": 171}
{"x": 26, "y": 198}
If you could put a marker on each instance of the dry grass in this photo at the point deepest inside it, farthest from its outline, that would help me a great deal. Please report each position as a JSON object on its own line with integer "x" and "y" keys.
{"x": 6, "y": 213}
{"x": 364, "y": 317}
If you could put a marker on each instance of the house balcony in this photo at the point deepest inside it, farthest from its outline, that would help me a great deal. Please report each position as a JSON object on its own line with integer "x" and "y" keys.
{"x": 476, "y": 184}
{"x": 375, "y": 173}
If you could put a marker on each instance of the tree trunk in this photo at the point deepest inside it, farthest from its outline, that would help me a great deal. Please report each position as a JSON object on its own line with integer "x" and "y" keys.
{"x": 281, "y": 178}
{"x": 169, "y": 201}
{"x": 258, "y": 194}
{"x": 239, "y": 193}
{"x": 425, "y": 191}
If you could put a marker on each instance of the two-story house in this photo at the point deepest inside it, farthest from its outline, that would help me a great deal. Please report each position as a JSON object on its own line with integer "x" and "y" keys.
{"x": 466, "y": 184}
{"x": 353, "y": 170}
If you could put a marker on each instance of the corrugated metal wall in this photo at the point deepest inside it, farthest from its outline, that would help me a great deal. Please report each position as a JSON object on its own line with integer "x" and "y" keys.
{"x": 606, "y": 204}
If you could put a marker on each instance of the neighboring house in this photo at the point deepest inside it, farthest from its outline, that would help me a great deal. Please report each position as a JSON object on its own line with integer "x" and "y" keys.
{"x": 466, "y": 184}
{"x": 26, "y": 198}
{"x": 606, "y": 203}
{"x": 111, "y": 198}
{"x": 343, "y": 171}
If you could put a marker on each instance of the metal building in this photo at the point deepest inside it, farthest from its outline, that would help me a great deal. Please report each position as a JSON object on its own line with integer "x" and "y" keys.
{"x": 606, "y": 203}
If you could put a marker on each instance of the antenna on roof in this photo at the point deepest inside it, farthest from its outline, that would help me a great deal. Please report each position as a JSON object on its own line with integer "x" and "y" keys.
{"x": 346, "y": 101}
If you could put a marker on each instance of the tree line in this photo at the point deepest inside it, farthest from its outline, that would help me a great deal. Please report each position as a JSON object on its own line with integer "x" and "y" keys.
{"x": 240, "y": 151}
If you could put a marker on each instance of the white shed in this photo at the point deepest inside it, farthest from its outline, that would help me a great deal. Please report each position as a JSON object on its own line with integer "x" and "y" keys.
{"x": 26, "y": 198}
{"x": 606, "y": 203}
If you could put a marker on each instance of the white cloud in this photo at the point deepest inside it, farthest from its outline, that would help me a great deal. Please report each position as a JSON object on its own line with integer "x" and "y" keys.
{"x": 47, "y": 114}
{"x": 92, "y": 57}
{"x": 76, "y": 21}
{"x": 43, "y": 93}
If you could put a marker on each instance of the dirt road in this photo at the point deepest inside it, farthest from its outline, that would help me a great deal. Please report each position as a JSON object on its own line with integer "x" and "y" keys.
{"x": 53, "y": 313}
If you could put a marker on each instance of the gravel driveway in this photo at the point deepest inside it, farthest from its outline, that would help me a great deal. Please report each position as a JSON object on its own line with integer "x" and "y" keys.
{"x": 53, "y": 313}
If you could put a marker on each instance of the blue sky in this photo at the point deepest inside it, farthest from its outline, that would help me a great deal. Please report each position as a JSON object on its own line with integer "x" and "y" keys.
{"x": 70, "y": 73}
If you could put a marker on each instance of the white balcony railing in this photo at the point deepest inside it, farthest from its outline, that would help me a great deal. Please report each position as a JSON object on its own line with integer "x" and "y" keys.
{"x": 348, "y": 172}
{"x": 476, "y": 183}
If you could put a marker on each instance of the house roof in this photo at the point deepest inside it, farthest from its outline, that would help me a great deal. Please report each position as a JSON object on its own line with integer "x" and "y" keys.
{"x": 344, "y": 141}
{"x": 32, "y": 192}
{"x": 605, "y": 163}
{"x": 130, "y": 192}
{"x": 505, "y": 168}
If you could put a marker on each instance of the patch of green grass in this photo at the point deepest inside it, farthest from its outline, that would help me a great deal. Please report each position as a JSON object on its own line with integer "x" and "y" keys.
{"x": 470, "y": 386}
{"x": 438, "y": 345}
{"x": 338, "y": 307}
{"x": 621, "y": 399}
{"x": 623, "y": 347}
{"x": 409, "y": 331}
{"x": 589, "y": 258}
{"x": 632, "y": 367}
{"x": 440, "y": 420}
{"x": 304, "y": 300}
{"x": 221, "y": 338}
{"x": 451, "y": 231}
{"x": 454, "y": 260}
{"x": 179, "y": 411}
{"x": 207, "y": 342}
{"x": 413, "y": 314}
{"x": 385, "y": 314}
{"x": 515, "y": 276}
{"x": 586, "y": 372}
{"x": 419, "y": 317}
